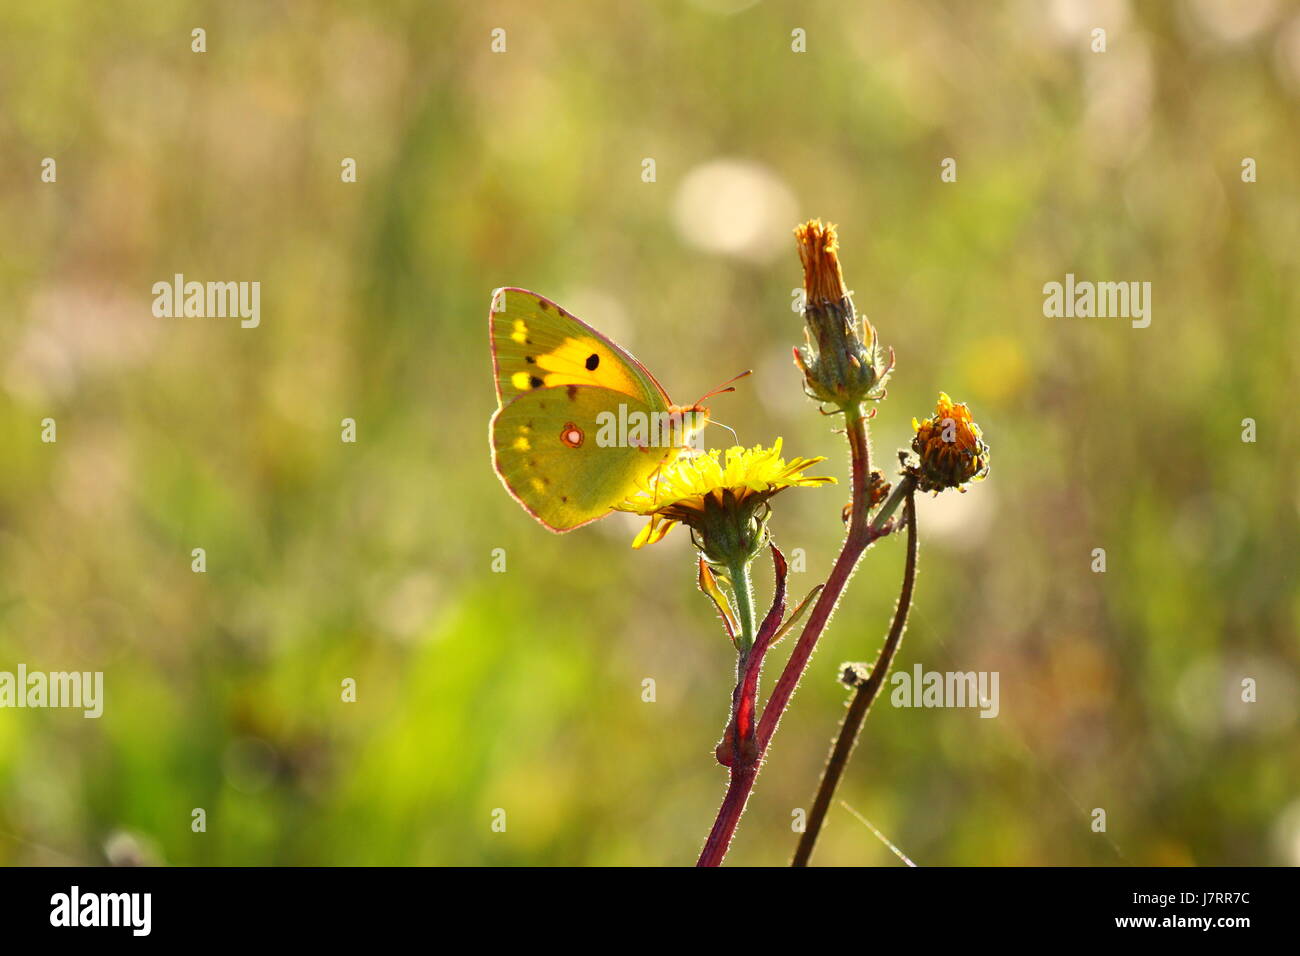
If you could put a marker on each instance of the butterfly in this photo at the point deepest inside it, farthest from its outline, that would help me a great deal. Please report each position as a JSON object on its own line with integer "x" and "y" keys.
{"x": 580, "y": 423}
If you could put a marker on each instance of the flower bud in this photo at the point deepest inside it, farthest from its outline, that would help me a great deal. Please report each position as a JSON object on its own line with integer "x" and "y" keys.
{"x": 950, "y": 448}
{"x": 842, "y": 364}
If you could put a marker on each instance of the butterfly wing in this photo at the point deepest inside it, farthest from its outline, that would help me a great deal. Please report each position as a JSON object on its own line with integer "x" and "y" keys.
{"x": 552, "y": 451}
{"x": 536, "y": 344}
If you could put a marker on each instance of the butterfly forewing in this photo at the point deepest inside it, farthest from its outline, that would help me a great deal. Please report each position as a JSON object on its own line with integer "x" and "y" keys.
{"x": 536, "y": 344}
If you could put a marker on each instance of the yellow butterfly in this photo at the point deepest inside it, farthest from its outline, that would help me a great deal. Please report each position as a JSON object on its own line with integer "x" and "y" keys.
{"x": 580, "y": 423}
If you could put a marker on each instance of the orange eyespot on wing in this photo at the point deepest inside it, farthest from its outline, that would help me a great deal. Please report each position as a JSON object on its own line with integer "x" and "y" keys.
{"x": 541, "y": 453}
{"x": 572, "y": 435}
{"x": 557, "y": 378}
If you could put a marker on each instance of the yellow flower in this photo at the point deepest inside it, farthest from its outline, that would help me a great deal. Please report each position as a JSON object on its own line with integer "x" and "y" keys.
{"x": 719, "y": 496}
{"x": 950, "y": 446}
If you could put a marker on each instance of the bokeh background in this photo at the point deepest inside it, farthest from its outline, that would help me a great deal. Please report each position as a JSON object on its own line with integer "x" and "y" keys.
{"x": 523, "y": 690}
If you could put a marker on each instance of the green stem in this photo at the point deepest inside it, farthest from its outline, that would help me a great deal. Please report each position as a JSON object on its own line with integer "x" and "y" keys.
{"x": 742, "y": 592}
{"x": 856, "y": 541}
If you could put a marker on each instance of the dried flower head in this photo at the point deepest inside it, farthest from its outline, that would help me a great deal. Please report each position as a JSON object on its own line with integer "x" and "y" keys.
{"x": 722, "y": 498}
{"x": 841, "y": 363}
{"x": 950, "y": 447}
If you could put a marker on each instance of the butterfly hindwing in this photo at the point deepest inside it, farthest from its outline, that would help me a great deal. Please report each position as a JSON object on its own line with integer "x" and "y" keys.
{"x": 536, "y": 344}
{"x": 547, "y": 449}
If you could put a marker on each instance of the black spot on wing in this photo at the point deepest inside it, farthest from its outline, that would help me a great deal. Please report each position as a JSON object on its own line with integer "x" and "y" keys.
{"x": 593, "y": 360}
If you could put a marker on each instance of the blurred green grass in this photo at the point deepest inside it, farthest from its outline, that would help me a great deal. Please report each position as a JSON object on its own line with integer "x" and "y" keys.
{"x": 522, "y": 690}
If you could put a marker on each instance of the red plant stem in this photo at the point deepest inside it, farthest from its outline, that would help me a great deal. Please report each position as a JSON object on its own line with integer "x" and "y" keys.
{"x": 733, "y": 805}
{"x": 860, "y": 535}
{"x": 863, "y": 698}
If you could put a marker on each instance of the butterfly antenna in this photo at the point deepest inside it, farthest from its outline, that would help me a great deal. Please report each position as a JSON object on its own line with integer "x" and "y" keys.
{"x": 726, "y": 386}
{"x": 714, "y": 421}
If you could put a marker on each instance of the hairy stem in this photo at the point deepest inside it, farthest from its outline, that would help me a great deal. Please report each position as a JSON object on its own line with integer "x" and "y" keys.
{"x": 862, "y": 699}
{"x": 860, "y": 535}
{"x": 742, "y": 592}
{"x": 743, "y": 596}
